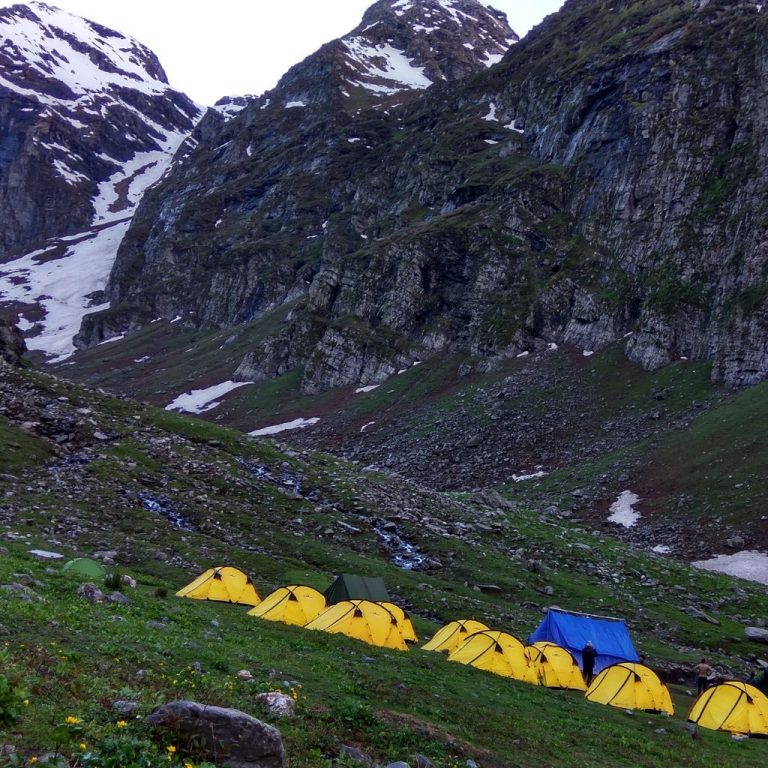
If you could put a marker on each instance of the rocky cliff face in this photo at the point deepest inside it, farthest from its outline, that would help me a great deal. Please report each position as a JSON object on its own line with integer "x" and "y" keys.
{"x": 244, "y": 223}
{"x": 87, "y": 123}
{"x": 604, "y": 180}
{"x": 12, "y": 345}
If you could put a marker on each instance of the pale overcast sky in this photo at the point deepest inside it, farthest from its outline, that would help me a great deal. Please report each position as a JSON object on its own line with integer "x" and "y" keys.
{"x": 230, "y": 47}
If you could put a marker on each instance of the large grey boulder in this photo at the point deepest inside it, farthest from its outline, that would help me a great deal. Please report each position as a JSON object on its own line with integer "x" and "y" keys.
{"x": 757, "y": 634}
{"x": 12, "y": 346}
{"x": 231, "y": 738}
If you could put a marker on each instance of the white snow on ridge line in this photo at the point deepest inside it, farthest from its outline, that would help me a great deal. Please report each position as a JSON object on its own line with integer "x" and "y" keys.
{"x": 622, "y": 510}
{"x": 285, "y": 427}
{"x": 34, "y": 39}
{"x": 369, "y": 388}
{"x": 749, "y": 564}
{"x": 202, "y": 400}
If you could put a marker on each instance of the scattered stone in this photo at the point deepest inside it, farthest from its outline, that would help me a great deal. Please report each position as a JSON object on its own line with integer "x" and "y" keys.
{"x": 490, "y": 589}
{"x": 697, "y": 613}
{"x": 471, "y": 764}
{"x": 125, "y": 707}
{"x": 244, "y": 674}
{"x": 107, "y": 557}
{"x": 127, "y": 581}
{"x": 277, "y": 704}
{"x": 23, "y": 592}
{"x": 757, "y": 634}
{"x": 355, "y": 755}
{"x": 398, "y": 764}
{"x": 227, "y": 736}
{"x": 421, "y": 761}
{"x": 118, "y": 598}
{"x": 90, "y": 592}
{"x": 152, "y": 624}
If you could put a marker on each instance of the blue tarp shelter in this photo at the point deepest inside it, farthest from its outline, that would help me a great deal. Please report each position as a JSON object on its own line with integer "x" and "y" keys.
{"x": 573, "y": 630}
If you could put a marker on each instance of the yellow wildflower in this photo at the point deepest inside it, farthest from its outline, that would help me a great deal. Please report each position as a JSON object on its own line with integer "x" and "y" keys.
{"x": 170, "y": 749}
{"x": 71, "y": 720}
{"x": 83, "y": 746}
{"x": 26, "y": 702}
{"x": 121, "y": 724}
{"x": 32, "y": 760}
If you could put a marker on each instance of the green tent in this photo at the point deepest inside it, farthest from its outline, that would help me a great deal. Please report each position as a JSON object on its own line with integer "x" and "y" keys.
{"x": 84, "y": 567}
{"x": 349, "y": 587}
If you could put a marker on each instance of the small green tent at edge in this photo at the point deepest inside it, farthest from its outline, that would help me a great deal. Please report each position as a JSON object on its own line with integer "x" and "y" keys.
{"x": 84, "y": 567}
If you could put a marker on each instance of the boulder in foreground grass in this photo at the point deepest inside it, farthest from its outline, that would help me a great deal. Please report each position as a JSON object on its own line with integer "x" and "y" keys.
{"x": 230, "y": 737}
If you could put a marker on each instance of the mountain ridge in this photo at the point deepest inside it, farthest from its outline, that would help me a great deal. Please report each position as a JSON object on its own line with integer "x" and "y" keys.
{"x": 89, "y": 122}
{"x": 534, "y": 186}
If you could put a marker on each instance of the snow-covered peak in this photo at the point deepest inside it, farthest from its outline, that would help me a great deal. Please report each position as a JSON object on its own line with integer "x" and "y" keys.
{"x": 400, "y": 47}
{"x": 64, "y": 57}
{"x": 411, "y": 44}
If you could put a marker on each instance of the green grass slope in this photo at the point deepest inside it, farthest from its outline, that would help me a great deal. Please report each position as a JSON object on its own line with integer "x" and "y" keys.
{"x": 311, "y": 517}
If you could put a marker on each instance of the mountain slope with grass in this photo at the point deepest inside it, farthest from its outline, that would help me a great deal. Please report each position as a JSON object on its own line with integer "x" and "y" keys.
{"x": 164, "y": 496}
{"x": 556, "y": 429}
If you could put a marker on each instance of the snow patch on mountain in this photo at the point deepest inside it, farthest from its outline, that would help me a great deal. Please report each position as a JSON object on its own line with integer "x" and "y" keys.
{"x": 389, "y": 69}
{"x": 276, "y": 429}
{"x": 109, "y": 125}
{"x": 201, "y": 400}
{"x": 57, "y": 281}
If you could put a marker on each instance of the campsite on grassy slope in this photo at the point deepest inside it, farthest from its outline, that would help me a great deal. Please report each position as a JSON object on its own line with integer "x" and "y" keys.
{"x": 390, "y": 704}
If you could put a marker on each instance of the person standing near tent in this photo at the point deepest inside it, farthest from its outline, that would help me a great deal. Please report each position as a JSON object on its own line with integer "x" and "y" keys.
{"x": 588, "y": 656}
{"x": 703, "y": 673}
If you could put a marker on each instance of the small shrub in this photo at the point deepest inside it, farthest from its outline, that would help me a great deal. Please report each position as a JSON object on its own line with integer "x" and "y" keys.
{"x": 112, "y": 582}
{"x": 161, "y": 593}
{"x": 12, "y": 698}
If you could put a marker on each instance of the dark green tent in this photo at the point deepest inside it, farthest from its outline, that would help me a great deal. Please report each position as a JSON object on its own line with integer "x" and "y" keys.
{"x": 349, "y": 587}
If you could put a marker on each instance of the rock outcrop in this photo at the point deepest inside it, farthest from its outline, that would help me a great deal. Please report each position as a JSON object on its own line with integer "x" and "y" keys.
{"x": 12, "y": 346}
{"x": 230, "y": 737}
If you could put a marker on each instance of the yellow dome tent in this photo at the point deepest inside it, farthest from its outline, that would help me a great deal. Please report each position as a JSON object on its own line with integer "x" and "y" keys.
{"x": 497, "y": 652}
{"x": 631, "y": 686}
{"x": 361, "y": 620}
{"x": 555, "y": 667}
{"x": 407, "y": 629}
{"x": 224, "y": 584}
{"x": 734, "y": 707}
{"x": 295, "y": 604}
{"x": 452, "y": 635}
